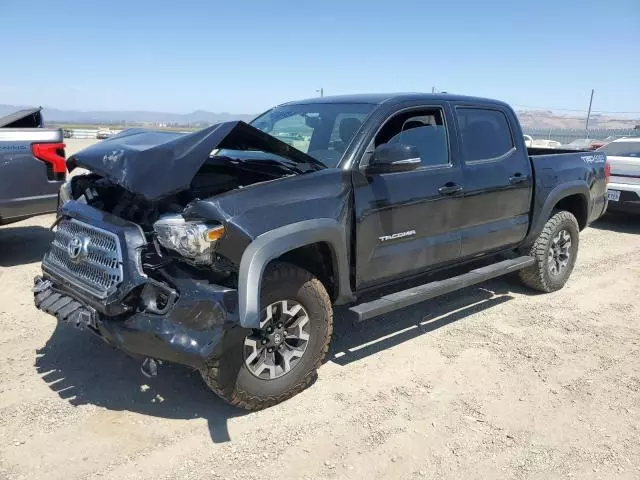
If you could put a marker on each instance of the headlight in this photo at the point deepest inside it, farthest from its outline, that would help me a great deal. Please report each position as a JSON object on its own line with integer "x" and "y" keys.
{"x": 194, "y": 240}
{"x": 65, "y": 193}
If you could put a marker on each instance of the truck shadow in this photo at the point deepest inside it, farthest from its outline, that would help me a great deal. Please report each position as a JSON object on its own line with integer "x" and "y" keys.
{"x": 82, "y": 369}
{"x": 355, "y": 341}
{"x": 23, "y": 245}
{"x": 618, "y": 222}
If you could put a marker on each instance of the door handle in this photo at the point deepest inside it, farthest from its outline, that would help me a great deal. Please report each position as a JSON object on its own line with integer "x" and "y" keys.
{"x": 450, "y": 188}
{"x": 517, "y": 178}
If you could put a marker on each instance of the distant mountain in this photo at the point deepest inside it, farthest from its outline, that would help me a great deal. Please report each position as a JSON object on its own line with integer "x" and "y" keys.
{"x": 546, "y": 119}
{"x": 528, "y": 118}
{"x": 54, "y": 115}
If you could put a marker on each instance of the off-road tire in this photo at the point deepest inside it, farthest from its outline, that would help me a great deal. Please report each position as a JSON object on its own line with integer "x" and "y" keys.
{"x": 538, "y": 276}
{"x": 228, "y": 375}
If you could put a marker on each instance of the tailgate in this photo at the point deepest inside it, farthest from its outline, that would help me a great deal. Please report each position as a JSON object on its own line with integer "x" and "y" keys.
{"x": 28, "y": 185}
{"x": 625, "y": 170}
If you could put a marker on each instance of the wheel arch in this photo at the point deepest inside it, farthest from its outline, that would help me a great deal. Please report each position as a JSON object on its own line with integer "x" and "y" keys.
{"x": 320, "y": 260}
{"x": 572, "y": 196}
{"x": 288, "y": 242}
{"x": 577, "y": 205}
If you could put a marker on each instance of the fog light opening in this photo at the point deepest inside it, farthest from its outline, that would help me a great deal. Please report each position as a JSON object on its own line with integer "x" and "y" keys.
{"x": 155, "y": 300}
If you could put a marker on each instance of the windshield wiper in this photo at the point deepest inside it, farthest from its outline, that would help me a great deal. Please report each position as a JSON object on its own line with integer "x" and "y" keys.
{"x": 291, "y": 166}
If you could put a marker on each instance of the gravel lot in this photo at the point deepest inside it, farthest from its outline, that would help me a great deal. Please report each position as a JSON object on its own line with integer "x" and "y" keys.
{"x": 72, "y": 145}
{"x": 489, "y": 382}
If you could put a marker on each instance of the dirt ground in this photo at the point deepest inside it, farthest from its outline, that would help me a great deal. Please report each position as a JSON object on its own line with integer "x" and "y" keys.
{"x": 73, "y": 145}
{"x": 489, "y": 382}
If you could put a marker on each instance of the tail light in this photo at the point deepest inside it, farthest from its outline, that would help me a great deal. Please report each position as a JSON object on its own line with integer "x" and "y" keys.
{"x": 53, "y": 155}
{"x": 607, "y": 171}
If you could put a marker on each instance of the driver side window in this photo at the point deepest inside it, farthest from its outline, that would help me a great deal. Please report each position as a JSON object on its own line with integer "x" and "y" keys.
{"x": 424, "y": 129}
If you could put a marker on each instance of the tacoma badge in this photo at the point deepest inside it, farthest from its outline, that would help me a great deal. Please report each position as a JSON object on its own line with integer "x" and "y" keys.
{"x": 395, "y": 236}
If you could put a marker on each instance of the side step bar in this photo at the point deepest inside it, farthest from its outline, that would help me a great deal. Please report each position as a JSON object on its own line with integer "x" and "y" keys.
{"x": 418, "y": 294}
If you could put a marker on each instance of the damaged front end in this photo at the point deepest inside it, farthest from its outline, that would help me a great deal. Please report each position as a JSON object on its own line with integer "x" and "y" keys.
{"x": 131, "y": 263}
{"x": 98, "y": 275}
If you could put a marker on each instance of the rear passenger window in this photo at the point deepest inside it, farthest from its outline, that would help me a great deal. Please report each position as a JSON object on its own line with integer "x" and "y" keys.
{"x": 485, "y": 133}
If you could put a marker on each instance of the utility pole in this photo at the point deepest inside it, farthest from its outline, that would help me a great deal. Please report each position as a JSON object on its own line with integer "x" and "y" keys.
{"x": 321, "y": 92}
{"x": 586, "y": 127}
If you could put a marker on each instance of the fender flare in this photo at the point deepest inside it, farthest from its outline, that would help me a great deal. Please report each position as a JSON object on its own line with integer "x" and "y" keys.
{"x": 274, "y": 243}
{"x": 564, "y": 190}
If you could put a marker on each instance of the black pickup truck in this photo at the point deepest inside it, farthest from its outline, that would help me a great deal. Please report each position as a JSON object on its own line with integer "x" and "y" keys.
{"x": 226, "y": 249}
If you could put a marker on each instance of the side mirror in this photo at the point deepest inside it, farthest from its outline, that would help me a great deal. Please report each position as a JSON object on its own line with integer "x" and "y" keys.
{"x": 394, "y": 157}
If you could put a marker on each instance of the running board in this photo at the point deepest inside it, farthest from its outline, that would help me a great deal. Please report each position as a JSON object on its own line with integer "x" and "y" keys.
{"x": 418, "y": 294}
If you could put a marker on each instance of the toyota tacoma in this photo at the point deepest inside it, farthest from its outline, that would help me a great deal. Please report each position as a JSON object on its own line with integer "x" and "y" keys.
{"x": 226, "y": 249}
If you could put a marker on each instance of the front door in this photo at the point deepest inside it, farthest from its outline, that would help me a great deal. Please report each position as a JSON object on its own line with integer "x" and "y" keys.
{"x": 407, "y": 222}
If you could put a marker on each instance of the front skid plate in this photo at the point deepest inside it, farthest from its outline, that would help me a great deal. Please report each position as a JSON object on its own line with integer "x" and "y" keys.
{"x": 62, "y": 306}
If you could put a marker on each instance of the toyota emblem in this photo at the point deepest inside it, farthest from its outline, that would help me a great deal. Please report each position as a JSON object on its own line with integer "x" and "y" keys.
{"x": 77, "y": 248}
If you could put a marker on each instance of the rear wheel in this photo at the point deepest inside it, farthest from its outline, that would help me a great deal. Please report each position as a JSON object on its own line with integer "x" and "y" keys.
{"x": 555, "y": 252}
{"x": 279, "y": 359}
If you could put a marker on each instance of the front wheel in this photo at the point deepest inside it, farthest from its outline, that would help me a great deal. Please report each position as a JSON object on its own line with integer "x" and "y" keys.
{"x": 279, "y": 359}
{"x": 555, "y": 252}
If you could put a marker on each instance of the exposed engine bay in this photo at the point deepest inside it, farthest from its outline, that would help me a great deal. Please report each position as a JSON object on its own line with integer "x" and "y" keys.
{"x": 218, "y": 175}
{"x": 170, "y": 237}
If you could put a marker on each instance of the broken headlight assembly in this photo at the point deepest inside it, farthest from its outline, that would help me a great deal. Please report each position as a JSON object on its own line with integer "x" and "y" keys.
{"x": 191, "y": 239}
{"x": 65, "y": 194}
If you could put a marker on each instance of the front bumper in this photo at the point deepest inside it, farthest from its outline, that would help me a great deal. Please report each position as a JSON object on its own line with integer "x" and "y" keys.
{"x": 192, "y": 331}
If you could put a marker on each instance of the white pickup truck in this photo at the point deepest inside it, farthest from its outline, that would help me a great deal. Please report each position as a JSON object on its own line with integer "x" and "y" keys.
{"x": 540, "y": 142}
{"x": 624, "y": 187}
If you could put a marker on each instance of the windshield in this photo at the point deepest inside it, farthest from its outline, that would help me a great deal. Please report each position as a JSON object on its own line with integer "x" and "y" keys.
{"x": 622, "y": 149}
{"x": 321, "y": 130}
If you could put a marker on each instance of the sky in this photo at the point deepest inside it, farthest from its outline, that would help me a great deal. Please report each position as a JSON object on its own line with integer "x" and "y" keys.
{"x": 245, "y": 56}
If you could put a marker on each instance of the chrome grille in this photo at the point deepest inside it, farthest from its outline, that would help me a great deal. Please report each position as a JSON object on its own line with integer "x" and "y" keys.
{"x": 94, "y": 265}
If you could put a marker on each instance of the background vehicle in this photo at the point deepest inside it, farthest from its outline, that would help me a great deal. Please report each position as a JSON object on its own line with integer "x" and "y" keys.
{"x": 582, "y": 144}
{"x": 32, "y": 166}
{"x": 544, "y": 143}
{"x": 225, "y": 249}
{"x": 624, "y": 189}
{"x": 103, "y": 133}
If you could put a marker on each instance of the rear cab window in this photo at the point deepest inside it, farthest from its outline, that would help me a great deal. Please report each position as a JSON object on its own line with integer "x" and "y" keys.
{"x": 485, "y": 134}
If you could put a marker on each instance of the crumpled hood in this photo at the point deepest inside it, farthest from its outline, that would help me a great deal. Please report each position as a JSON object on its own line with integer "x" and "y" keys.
{"x": 158, "y": 164}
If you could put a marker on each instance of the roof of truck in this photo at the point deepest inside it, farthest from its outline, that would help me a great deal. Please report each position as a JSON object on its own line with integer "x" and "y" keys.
{"x": 394, "y": 98}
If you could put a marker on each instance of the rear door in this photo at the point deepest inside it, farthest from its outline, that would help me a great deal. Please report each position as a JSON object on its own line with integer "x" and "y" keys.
{"x": 407, "y": 222}
{"x": 498, "y": 180}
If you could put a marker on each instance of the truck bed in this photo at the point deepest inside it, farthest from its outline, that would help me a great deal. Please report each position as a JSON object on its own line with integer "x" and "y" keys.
{"x": 570, "y": 168}
{"x": 538, "y": 151}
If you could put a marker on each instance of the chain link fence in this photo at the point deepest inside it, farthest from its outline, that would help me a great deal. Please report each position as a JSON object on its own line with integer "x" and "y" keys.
{"x": 567, "y": 135}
